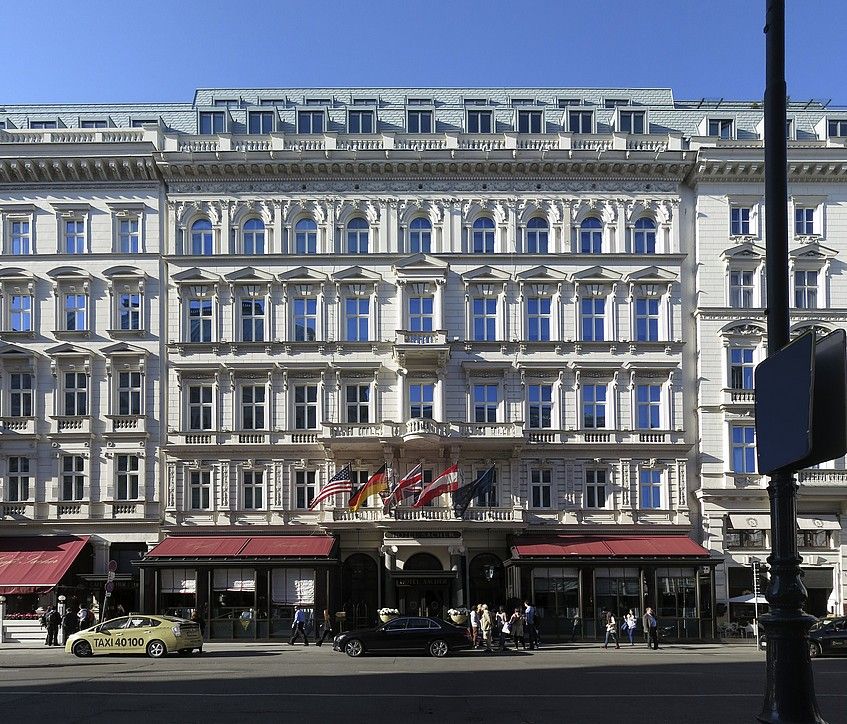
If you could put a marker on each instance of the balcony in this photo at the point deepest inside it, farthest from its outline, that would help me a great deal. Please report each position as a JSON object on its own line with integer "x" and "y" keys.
{"x": 822, "y": 478}
{"x": 17, "y": 510}
{"x": 69, "y": 425}
{"x": 421, "y": 349}
{"x": 605, "y": 437}
{"x": 71, "y": 509}
{"x": 738, "y": 397}
{"x": 508, "y": 515}
{"x": 229, "y": 438}
{"x": 127, "y": 425}
{"x": 17, "y": 427}
{"x": 125, "y": 509}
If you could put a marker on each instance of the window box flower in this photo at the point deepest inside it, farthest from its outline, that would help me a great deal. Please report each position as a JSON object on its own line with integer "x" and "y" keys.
{"x": 387, "y": 614}
{"x": 459, "y": 616}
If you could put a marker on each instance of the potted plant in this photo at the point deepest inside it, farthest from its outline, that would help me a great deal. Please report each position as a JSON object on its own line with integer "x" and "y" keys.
{"x": 459, "y": 615}
{"x": 387, "y": 614}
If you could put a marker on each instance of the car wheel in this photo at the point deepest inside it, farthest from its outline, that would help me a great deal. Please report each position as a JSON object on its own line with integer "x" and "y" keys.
{"x": 156, "y": 649}
{"x": 439, "y": 648}
{"x": 354, "y": 648}
{"x": 83, "y": 649}
{"x": 815, "y": 650}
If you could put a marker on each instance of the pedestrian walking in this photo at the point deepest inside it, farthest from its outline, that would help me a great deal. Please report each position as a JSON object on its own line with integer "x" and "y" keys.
{"x": 486, "y": 624}
{"x": 611, "y": 631}
{"x": 630, "y": 623}
{"x": 53, "y": 621}
{"x": 516, "y": 625}
{"x": 530, "y": 625}
{"x": 82, "y": 616}
{"x": 503, "y": 628}
{"x": 326, "y": 628}
{"x": 475, "y": 611}
{"x": 651, "y": 629}
{"x": 69, "y": 624}
{"x": 298, "y": 626}
{"x": 576, "y": 627}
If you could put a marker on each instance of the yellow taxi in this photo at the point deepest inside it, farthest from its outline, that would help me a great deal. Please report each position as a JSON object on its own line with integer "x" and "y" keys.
{"x": 137, "y": 634}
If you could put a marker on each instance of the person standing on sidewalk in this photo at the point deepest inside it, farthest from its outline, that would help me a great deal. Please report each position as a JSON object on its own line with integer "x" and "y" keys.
{"x": 486, "y": 624}
{"x": 630, "y": 622}
{"x": 69, "y": 624}
{"x": 502, "y": 627}
{"x": 651, "y": 628}
{"x": 54, "y": 620}
{"x": 298, "y": 626}
{"x": 530, "y": 631}
{"x": 611, "y": 631}
{"x": 475, "y": 626}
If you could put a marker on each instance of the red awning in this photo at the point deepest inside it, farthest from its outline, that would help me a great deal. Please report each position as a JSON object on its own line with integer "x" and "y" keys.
{"x": 290, "y": 546}
{"x": 276, "y": 546}
{"x": 37, "y": 563}
{"x": 199, "y": 547}
{"x": 608, "y": 546}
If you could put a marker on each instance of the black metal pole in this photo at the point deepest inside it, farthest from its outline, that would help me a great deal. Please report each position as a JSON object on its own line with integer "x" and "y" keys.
{"x": 790, "y": 688}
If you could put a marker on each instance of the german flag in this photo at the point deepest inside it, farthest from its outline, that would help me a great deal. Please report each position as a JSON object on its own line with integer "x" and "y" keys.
{"x": 376, "y": 483}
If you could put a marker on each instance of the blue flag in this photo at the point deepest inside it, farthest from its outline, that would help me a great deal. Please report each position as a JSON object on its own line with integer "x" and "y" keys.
{"x": 463, "y": 496}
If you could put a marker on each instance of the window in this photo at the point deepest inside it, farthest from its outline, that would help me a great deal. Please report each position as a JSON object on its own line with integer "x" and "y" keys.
{"x": 484, "y": 320}
{"x": 253, "y": 237}
{"x": 648, "y": 406}
{"x": 744, "y": 538}
{"x": 721, "y": 128}
{"x": 741, "y": 289}
{"x": 306, "y": 237}
{"x": 360, "y": 122}
{"x": 536, "y": 236}
{"x": 200, "y": 489}
{"x": 305, "y": 407}
{"x": 21, "y": 239}
{"x": 421, "y": 396}
{"x": 594, "y": 407}
{"x": 581, "y": 121}
{"x": 743, "y": 448}
{"x": 73, "y": 477}
{"x": 591, "y": 236}
{"x": 253, "y": 487}
{"x": 76, "y": 393}
{"x": 212, "y": 122}
{"x": 260, "y": 122}
{"x": 420, "y": 314}
{"x": 540, "y": 401}
{"x": 420, "y": 122}
{"x": 479, "y": 121}
{"x": 20, "y": 313}
{"x": 92, "y": 124}
{"x": 529, "y": 121}
{"x": 741, "y": 368}
{"x": 305, "y": 488}
{"x": 358, "y": 403}
{"x": 129, "y": 311}
{"x": 200, "y": 320}
{"x": 815, "y": 539}
{"x": 485, "y": 403}
{"x": 647, "y": 319}
{"x": 42, "y": 125}
{"x": 310, "y": 122}
{"x": 420, "y": 236}
{"x": 129, "y": 393}
{"x": 739, "y": 221}
{"x": 18, "y": 479}
{"x": 631, "y": 121}
{"x": 358, "y": 478}
{"x": 126, "y": 471}
{"x": 567, "y": 102}
{"x": 201, "y": 238}
{"x": 253, "y": 407}
{"x": 305, "y": 319}
{"x": 650, "y": 489}
{"x": 595, "y": 488}
{"x": 538, "y": 319}
{"x": 227, "y": 102}
{"x": 593, "y": 316}
{"x": 837, "y": 128}
{"x": 20, "y": 394}
{"x": 252, "y": 319}
{"x": 128, "y": 236}
{"x": 483, "y": 236}
{"x": 139, "y": 122}
{"x": 74, "y": 236}
{"x": 806, "y": 289}
{"x": 357, "y": 236}
{"x": 200, "y": 407}
{"x": 356, "y": 312}
{"x": 75, "y": 308}
{"x": 540, "y": 488}
{"x": 644, "y": 237}
{"x": 804, "y": 221}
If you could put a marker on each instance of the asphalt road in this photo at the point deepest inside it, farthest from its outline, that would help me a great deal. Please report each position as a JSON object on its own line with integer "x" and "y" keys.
{"x": 279, "y": 683}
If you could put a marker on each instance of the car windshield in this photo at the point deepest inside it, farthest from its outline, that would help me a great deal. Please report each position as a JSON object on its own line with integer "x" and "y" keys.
{"x": 112, "y": 625}
{"x": 396, "y": 625}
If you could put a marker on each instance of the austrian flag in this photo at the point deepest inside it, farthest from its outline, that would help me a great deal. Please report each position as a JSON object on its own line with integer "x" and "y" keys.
{"x": 447, "y": 482}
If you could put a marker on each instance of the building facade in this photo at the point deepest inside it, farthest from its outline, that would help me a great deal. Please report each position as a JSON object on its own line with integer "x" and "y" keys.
{"x": 542, "y": 283}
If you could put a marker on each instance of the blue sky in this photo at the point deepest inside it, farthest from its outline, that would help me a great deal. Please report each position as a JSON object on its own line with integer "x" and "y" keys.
{"x": 119, "y": 51}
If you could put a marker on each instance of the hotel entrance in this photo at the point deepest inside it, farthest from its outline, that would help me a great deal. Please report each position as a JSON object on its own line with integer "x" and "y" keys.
{"x": 423, "y": 587}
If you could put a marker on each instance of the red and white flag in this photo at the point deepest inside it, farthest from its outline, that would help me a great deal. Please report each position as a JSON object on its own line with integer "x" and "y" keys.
{"x": 409, "y": 483}
{"x": 447, "y": 482}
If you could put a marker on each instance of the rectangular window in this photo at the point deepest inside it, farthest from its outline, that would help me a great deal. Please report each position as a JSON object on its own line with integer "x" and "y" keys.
{"x": 129, "y": 311}
{"x": 20, "y": 313}
{"x": 540, "y": 488}
{"x": 200, "y": 320}
{"x": 200, "y": 407}
{"x": 631, "y": 121}
{"x": 648, "y": 406}
{"x": 253, "y": 487}
{"x": 212, "y": 122}
{"x": 305, "y": 319}
{"x": 721, "y": 128}
{"x": 358, "y": 403}
{"x": 744, "y": 538}
{"x": 92, "y": 124}
{"x": 360, "y": 122}
{"x": 76, "y": 394}
{"x": 594, "y": 407}
{"x": 21, "y": 239}
{"x": 806, "y": 289}
{"x": 485, "y": 403}
{"x": 647, "y": 320}
{"x": 200, "y": 489}
{"x": 305, "y": 488}
{"x": 540, "y": 401}
{"x": 739, "y": 221}
{"x": 75, "y": 236}
{"x": 73, "y": 477}
{"x": 593, "y": 314}
{"x": 804, "y": 221}
{"x": 529, "y": 121}
{"x": 741, "y": 289}
{"x": 837, "y": 128}
{"x": 538, "y": 319}
{"x": 128, "y": 236}
{"x": 421, "y": 398}
{"x": 356, "y": 313}
{"x": 305, "y": 407}
{"x": 650, "y": 489}
{"x": 260, "y": 122}
{"x": 420, "y": 122}
{"x": 743, "y": 448}
{"x": 310, "y": 122}
{"x": 595, "y": 488}
{"x": 253, "y": 407}
{"x": 126, "y": 471}
{"x": 420, "y": 314}
{"x": 479, "y": 121}
{"x": 19, "y": 480}
{"x": 139, "y": 122}
{"x": 42, "y": 125}
{"x": 581, "y": 121}
{"x": 20, "y": 394}
{"x": 741, "y": 368}
{"x": 252, "y": 320}
{"x": 484, "y": 320}
{"x": 129, "y": 393}
{"x": 76, "y": 313}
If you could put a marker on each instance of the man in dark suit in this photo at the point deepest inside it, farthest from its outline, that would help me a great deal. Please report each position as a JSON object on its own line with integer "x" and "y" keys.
{"x": 651, "y": 628}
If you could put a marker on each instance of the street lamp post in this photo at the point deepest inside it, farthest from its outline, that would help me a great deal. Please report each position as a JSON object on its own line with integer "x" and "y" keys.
{"x": 2, "y": 618}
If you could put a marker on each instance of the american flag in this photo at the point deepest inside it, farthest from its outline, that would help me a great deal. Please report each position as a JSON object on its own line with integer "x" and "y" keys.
{"x": 341, "y": 482}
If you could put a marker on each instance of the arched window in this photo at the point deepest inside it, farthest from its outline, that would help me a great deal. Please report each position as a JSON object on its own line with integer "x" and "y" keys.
{"x": 536, "y": 236}
{"x": 423, "y": 562}
{"x": 420, "y": 236}
{"x": 306, "y": 237}
{"x": 644, "y": 241}
{"x": 253, "y": 237}
{"x": 591, "y": 236}
{"x": 483, "y": 236}
{"x": 357, "y": 236}
{"x": 201, "y": 237}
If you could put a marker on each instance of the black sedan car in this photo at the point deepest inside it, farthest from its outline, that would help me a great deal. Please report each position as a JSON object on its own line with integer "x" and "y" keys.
{"x": 828, "y": 636}
{"x": 407, "y": 633}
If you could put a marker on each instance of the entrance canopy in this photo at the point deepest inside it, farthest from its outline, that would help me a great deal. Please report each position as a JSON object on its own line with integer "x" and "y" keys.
{"x": 217, "y": 548}
{"x": 593, "y": 548}
{"x": 36, "y": 564}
